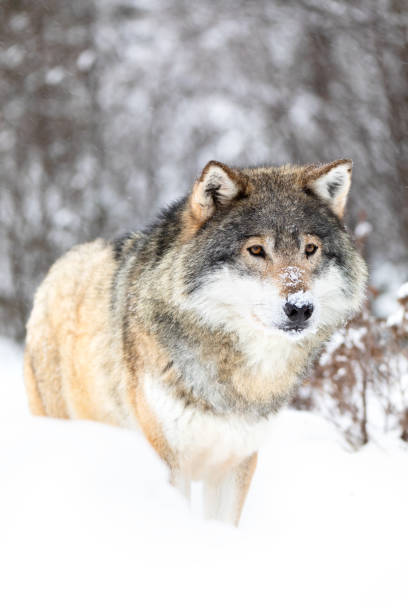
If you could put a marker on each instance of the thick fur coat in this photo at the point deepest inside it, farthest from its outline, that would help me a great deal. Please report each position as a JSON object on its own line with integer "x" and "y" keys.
{"x": 197, "y": 330}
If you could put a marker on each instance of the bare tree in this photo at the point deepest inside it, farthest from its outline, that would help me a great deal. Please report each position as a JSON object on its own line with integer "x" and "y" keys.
{"x": 110, "y": 108}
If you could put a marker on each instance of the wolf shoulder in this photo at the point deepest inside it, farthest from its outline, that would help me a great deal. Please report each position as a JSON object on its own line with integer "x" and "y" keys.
{"x": 87, "y": 265}
{"x": 79, "y": 284}
{"x": 73, "y": 367}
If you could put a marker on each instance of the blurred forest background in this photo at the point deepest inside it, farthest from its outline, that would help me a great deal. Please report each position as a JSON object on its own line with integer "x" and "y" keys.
{"x": 110, "y": 108}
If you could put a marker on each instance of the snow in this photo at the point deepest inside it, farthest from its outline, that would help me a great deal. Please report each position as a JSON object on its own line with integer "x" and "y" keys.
{"x": 396, "y": 318}
{"x": 387, "y": 277}
{"x": 291, "y": 276}
{"x": 363, "y": 229}
{"x": 85, "y": 60}
{"x": 88, "y": 521}
{"x": 300, "y": 298}
{"x": 403, "y": 292}
{"x": 55, "y": 75}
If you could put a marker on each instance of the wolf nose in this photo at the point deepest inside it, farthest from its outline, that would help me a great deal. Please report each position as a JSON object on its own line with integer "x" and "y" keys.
{"x": 298, "y": 314}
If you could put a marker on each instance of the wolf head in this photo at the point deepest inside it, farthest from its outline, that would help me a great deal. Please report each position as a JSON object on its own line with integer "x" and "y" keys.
{"x": 266, "y": 249}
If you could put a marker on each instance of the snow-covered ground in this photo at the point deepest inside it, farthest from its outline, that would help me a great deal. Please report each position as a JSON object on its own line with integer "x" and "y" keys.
{"x": 89, "y": 523}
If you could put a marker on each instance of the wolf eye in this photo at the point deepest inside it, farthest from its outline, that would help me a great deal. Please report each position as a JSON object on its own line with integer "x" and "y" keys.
{"x": 256, "y": 250}
{"x": 310, "y": 249}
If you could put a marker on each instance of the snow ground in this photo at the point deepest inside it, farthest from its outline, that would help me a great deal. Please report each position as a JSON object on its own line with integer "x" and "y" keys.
{"x": 89, "y": 523}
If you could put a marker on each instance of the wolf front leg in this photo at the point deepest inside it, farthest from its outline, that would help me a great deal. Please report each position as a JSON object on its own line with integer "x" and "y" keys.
{"x": 224, "y": 497}
{"x": 181, "y": 482}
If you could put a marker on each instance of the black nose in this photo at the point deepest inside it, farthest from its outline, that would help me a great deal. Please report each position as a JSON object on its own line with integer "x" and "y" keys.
{"x": 298, "y": 314}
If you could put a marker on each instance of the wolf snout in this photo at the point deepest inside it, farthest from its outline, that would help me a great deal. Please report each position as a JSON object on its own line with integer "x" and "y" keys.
{"x": 298, "y": 314}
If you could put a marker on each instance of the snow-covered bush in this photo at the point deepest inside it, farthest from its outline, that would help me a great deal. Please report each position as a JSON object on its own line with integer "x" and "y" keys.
{"x": 361, "y": 379}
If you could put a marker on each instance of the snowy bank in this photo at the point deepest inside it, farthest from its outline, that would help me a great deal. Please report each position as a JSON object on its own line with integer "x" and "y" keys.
{"x": 88, "y": 522}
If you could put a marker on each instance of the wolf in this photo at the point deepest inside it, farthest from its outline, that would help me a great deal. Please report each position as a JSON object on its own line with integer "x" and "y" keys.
{"x": 198, "y": 329}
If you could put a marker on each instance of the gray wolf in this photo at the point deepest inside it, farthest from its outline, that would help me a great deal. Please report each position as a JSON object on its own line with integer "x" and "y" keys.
{"x": 197, "y": 330}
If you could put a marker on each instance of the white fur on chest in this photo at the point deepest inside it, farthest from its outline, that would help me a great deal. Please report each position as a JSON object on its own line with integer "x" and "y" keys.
{"x": 205, "y": 444}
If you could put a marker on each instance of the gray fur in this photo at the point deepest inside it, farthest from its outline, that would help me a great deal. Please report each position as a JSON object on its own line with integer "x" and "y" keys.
{"x": 279, "y": 205}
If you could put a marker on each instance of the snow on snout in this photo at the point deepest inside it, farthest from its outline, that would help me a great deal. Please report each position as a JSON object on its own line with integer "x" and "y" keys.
{"x": 300, "y": 298}
{"x": 291, "y": 276}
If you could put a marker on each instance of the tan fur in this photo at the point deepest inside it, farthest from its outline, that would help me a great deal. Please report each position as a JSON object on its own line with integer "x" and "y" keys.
{"x": 70, "y": 342}
{"x": 36, "y": 404}
{"x": 102, "y": 341}
{"x": 201, "y": 205}
{"x": 237, "y": 478}
{"x": 153, "y": 431}
{"x": 73, "y": 367}
{"x": 68, "y": 338}
{"x": 244, "y": 476}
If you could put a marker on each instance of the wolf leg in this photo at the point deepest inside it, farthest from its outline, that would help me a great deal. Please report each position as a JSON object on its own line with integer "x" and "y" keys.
{"x": 181, "y": 482}
{"x": 224, "y": 498}
{"x": 34, "y": 398}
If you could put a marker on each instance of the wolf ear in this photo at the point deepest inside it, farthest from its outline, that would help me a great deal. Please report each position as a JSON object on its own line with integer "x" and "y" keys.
{"x": 218, "y": 185}
{"x": 331, "y": 183}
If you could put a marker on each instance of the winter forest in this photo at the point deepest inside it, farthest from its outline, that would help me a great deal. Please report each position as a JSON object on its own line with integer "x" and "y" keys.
{"x": 109, "y": 109}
